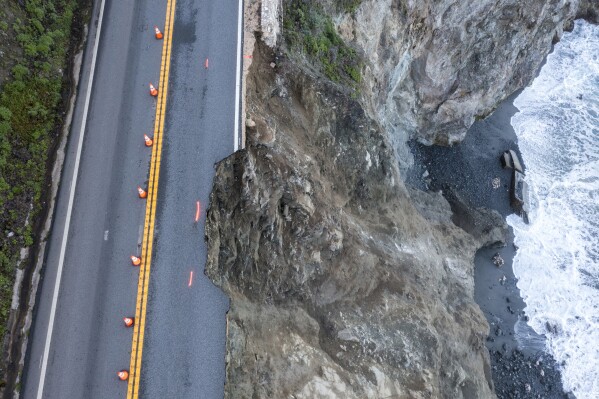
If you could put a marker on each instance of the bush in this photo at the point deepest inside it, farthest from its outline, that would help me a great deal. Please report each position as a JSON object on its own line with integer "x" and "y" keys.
{"x": 5, "y": 114}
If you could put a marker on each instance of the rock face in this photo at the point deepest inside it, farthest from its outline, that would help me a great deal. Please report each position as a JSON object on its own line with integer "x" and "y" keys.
{"x": 435, "y": 66}
{"x": 344, "y": 283}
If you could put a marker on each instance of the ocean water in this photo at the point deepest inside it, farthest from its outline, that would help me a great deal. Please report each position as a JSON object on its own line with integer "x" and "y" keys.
{"x": 557, "y": 262}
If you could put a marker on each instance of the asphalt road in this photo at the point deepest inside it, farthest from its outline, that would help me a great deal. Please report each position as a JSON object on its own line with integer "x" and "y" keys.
{"x": 184, "y": 348}
{"x": 185, "y": 326}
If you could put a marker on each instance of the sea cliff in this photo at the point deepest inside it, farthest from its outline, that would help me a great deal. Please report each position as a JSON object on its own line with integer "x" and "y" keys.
{"x": 345, "y": 282}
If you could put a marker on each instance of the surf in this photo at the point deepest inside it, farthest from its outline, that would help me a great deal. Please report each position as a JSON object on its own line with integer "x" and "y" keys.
{"x": 557, "y": 261}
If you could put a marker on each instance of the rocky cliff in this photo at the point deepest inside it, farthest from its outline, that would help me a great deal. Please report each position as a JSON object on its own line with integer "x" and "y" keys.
{"x": 343, "y": 282}
{"x": 435, "y": 66}
{"x": 340, "y": 285}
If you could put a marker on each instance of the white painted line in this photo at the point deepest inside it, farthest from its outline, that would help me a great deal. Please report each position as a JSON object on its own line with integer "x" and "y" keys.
{"x": 65, "y": 233}
{"x": 238, "y": 74}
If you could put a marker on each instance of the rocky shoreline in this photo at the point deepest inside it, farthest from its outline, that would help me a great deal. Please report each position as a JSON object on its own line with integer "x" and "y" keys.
{"x": 465, "y": 174}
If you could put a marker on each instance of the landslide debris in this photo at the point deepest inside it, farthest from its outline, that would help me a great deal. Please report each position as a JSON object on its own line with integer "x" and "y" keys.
{"x": 339, "y": 285}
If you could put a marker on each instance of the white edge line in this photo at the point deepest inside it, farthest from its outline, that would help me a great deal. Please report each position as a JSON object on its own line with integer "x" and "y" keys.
{"x": 238, "y": 75}
{"x": 40, "y": 389}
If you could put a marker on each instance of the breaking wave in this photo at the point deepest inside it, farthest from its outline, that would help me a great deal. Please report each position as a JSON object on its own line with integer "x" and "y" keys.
{"x": 557, "y": 262}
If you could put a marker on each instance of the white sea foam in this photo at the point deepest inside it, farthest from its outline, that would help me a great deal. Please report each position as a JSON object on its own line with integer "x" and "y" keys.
{"x": 557, "y": 262}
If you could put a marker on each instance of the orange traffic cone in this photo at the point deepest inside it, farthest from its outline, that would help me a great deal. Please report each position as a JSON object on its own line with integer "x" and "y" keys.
{"x": 148, "y": 140}
{"x": 142, "y": 193}
{"x": 158, "y": 33}
{"x": 128, "y": 321}
{"x": 135, "y": 260}
{"x": 123, "y": 375}
{"x": 153, "y": 90}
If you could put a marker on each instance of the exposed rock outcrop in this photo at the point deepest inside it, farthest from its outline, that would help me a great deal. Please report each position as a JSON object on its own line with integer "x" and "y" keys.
{"x": 435, "y": 66}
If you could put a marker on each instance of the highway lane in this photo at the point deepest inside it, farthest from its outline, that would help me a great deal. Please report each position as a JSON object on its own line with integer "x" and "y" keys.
{"x": 184, "y": 348}
{"x": 185, "y": 334}
{"x": 89, "y": 342}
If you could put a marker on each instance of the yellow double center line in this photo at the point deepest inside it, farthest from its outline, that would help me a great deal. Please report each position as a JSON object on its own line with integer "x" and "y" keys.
{"x": 148, "y": 237}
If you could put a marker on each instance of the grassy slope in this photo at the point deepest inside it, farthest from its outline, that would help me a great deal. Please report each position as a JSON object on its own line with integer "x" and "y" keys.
{"x": 308, "y": 30}
{"x": 30, "y": 114}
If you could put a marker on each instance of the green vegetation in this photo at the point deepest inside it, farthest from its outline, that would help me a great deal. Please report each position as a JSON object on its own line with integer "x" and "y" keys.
{"x": 30, "y": 110}
{"x": 309, "y": 31}
{"x": 348, "y": 6}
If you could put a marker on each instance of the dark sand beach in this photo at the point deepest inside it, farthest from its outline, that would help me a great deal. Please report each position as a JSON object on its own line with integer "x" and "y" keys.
{"x": 521, "y": 368}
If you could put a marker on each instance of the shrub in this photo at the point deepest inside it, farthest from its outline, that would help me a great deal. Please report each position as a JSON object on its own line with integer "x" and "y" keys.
{"x": 5, "y": 114}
